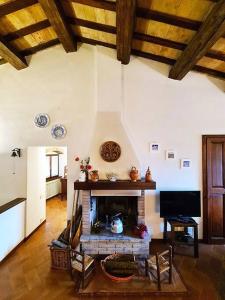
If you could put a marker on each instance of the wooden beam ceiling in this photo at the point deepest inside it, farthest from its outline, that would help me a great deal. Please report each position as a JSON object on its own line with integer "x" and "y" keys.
{"x": 154, "y": 57}
{"x": 14, "y": 5}
{"x": 8, "y": 53}
{"x": 125, "y": 19}
{"x": 148, "y": 14}
{"x": 210, "y": 31}
{"x": 55, "y": 14}
{"x": 108, "y": 29}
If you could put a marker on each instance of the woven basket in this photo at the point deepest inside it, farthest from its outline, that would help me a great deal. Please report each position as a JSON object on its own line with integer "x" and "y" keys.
{"x": 60, "y": 258}
{"x": 113, "y": 257}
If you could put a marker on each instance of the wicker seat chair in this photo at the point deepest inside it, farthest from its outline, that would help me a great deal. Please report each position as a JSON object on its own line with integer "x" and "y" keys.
{"x": 158, "y": 264}
{"x": 83, "y": 264}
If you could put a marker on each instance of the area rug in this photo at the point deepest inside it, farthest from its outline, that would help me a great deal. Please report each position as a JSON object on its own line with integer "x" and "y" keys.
{"x": 140, "y": 285}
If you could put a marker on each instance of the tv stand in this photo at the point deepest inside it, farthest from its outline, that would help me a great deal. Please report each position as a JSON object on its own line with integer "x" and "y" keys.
{"x": 181, "y": 219}
{"x": 184, "y": 237}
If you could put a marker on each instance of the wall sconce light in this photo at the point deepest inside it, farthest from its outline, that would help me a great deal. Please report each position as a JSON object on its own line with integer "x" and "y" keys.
{"x": 16, "y": 152}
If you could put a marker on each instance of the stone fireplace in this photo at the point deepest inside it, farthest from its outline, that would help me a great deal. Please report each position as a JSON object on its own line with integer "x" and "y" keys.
{"x": 101, "y": 205}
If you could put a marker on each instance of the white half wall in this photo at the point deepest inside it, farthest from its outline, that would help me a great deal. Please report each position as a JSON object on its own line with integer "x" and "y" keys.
{"x": 12, "y": 228}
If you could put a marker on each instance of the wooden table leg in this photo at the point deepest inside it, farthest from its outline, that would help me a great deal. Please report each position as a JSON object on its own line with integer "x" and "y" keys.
{"x": 196, "y": 241}
{"x": 165, "y": 236}
{"x": 173, "y": 239}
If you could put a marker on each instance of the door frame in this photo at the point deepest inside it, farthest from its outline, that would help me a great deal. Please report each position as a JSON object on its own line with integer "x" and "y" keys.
{"x": 206, "y": 237}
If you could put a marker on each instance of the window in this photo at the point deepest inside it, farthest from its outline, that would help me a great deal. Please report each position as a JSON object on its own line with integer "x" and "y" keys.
{"x": 52, "y": 166}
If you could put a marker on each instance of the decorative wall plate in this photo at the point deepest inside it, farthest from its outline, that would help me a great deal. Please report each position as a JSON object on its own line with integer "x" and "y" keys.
{"x": 41, "y": 120}
{"x": 58, "y": 131}
{"x": 110, "y": 151}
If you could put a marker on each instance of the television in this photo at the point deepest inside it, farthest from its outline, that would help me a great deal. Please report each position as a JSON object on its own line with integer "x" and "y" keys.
{"x": 180, "y": 204}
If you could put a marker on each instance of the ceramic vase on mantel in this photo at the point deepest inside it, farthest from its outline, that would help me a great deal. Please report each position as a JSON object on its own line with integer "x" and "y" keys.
{"x": 134, "y": 174}
{"x": 148, "y": 175}
{"x": 82, "y": 176}
{"x": 94, "y": 175}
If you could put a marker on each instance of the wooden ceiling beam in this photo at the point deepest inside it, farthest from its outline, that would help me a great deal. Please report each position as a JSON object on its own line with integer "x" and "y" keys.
{"x": 55, "y": 14}
{"x": 108, "y": 29}
{"x": 42, "y": 46}
{"x": 210, "y": 31}
{"x": 158, "y": 58}
{"x": 148, "y": 14}
{"x": 91, "y": 25}
{"x": 141, "y": 37}
{"x": 153, "y": 57}
{"x": 103, "y": 4}
{"x": 125, "y": 19}
{"x": 158, "y": 16}
{"x": 14, "y": 5}
{"x": 27, "y": 30}
{"x": 174, "y": 45}
{"x": 8, "y": 53}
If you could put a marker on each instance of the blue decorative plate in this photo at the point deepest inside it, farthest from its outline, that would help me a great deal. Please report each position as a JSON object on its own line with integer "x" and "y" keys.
{"x": 58, "y": 131}
{"x": 41, "y": 120}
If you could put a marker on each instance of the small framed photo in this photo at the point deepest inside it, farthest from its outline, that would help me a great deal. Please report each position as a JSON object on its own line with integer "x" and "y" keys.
{"x": 154, "y": 147}
{"x": 185, "y": 163}
{"x": 170, "y": 154}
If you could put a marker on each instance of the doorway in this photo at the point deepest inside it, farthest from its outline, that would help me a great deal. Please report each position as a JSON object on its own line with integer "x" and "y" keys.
{"x": 56, "y": 172}
{"x": 213, "y": 150}
{"x": 46, "y": 174}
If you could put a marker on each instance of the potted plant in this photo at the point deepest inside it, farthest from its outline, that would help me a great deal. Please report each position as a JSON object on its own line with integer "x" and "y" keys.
{"x": 85, "y": 167}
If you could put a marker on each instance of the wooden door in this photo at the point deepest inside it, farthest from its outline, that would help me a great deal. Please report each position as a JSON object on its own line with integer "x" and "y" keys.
{"x": 214, "y": 189}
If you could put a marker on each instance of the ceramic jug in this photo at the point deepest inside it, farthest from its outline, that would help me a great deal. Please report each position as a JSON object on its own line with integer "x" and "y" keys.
{"x": 148, "y": 175}
{"x": 94, "y": 175}
{"x": 134, "y": 174}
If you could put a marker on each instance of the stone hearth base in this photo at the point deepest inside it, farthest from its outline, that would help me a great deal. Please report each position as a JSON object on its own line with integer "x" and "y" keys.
{"x": 103, "y": 244}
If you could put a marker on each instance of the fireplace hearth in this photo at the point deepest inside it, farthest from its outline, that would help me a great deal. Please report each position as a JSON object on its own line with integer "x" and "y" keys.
{"x": 101, "y": 206}
{"x": 100, "y": 201}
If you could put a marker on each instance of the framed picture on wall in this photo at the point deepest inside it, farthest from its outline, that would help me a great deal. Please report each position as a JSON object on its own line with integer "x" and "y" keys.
{"x": 170, "y": 154}
{"x": 185, "y": 163}
{"x": 154, "y": 147}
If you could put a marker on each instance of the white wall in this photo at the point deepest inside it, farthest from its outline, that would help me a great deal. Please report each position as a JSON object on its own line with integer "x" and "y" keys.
{"x": 54, "y": 84}
{"x": 36, "y": 188}
{"x": 109, "y": 127}
{"x": 12, "y": 229}
{"x": 176, "y": 114}
{"x": 154, "y": 108}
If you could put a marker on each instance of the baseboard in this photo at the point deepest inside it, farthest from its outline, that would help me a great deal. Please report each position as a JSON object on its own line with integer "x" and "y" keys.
{"x": 162, "y": 240}
{"x": 57, "y": 195}
{"x": 11, "y": 252}
{"x": 23, "y": 241}
{"x": 27, "y": 237}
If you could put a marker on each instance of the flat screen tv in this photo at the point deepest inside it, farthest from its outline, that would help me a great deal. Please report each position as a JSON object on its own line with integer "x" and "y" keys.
{"x": 180, "y": 204}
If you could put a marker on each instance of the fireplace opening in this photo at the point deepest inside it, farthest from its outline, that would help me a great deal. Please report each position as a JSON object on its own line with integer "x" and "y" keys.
{"x": 105, "y": 209}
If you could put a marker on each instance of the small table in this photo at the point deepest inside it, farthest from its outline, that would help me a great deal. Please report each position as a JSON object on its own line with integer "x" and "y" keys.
{"x": 186, "y": 223}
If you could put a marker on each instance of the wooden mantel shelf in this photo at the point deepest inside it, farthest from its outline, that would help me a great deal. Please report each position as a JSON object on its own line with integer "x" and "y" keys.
{"x": 117, "y": 185}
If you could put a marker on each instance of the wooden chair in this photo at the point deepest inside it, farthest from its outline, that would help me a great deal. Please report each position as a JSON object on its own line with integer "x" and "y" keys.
{"x": 158, "y": 264}
{"x": 83, "y": 264}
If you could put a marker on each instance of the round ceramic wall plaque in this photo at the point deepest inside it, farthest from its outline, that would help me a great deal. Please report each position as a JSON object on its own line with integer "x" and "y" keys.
{"x": 110, "y": 151}
{"x": 58, "y": 131}
{"x": 41, "y": 120}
